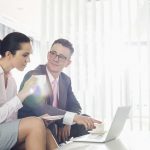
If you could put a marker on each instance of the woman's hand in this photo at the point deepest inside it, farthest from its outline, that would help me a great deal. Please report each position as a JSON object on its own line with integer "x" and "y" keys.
{"x": 28, "y": 88}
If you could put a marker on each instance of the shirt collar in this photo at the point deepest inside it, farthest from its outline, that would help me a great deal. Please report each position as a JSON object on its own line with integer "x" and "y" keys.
{"x": 51, "y": 78}
{"x": 2, "y": 71}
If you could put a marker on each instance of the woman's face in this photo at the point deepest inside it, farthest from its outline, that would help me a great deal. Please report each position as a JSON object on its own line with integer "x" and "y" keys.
{"x": 21, "y": 58}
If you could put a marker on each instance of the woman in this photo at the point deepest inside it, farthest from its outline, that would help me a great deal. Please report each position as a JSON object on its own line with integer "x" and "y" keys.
{"x": 28, "y": 133}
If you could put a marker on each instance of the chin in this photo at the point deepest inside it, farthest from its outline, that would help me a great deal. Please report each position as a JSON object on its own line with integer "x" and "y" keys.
{"x": 20, "y": 69}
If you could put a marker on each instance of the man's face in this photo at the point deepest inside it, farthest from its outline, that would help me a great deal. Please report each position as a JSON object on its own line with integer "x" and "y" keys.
{"x": 58, "y": 58}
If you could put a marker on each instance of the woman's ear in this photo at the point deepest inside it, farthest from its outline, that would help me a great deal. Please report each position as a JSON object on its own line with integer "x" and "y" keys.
{"x": 8, "y": 54}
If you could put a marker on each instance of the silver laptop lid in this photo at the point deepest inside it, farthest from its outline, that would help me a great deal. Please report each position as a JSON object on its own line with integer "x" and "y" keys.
{"x": 118, "y": 122}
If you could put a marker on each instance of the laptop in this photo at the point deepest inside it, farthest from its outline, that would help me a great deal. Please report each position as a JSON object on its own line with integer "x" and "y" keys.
{"x": 114, "y": 130}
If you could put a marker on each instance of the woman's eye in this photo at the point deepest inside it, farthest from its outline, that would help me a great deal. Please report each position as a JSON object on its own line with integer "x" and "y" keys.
{"x": 25, "y": 55}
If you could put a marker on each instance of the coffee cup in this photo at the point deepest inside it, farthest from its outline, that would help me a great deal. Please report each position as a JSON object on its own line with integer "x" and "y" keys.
{"x": 41, "y": 83}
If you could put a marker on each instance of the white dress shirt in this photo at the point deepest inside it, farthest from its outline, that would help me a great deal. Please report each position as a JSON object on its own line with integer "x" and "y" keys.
{"x": 68, "y": 117}
{"x": 9, "y": 101}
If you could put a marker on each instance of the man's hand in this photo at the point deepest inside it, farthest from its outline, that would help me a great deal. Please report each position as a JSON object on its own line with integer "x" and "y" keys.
{"x": 88, "y": 122}
{"x": 64, "y": 133}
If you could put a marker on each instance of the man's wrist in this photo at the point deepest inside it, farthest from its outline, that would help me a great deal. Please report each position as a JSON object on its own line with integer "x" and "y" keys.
{"x": 69, "y": 118}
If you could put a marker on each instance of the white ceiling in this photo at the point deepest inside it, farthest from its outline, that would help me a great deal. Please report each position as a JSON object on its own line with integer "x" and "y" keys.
{"x": 25, "y": 13}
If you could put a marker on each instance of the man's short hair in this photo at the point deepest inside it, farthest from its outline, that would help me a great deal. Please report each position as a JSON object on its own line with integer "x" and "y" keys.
{"x": 64, "y": 43}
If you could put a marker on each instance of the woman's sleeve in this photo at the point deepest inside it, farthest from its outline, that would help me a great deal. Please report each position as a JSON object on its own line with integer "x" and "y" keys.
{"x": 7, "y": 109}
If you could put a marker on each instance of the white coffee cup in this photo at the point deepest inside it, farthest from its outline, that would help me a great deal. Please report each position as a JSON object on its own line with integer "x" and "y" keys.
{"x": 41, "y": 83}
{"x": 41, "y": 79}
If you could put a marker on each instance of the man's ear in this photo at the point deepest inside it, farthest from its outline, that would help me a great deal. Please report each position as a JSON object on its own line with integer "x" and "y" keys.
{"x": 68, "y": 63}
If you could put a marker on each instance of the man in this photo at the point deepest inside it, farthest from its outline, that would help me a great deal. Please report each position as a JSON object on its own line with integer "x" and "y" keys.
{"x": 59, "y": 99}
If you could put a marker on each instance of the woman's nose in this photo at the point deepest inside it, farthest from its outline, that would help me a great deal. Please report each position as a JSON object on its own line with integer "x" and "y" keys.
{"x": 28, "y": 59}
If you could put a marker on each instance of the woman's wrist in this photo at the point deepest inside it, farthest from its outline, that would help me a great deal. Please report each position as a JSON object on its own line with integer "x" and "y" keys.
{"x": 22, "y": 95}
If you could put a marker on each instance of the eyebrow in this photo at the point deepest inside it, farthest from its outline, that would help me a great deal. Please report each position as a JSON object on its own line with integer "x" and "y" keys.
{"x": 57, "y": 53}
{"x": 27, "y": 53}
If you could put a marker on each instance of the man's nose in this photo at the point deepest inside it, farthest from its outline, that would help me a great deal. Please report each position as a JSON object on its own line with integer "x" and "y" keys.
{"x": 56, "y": 58}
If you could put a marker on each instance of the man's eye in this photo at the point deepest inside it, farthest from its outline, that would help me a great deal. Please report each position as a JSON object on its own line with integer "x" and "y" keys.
{"x": 62, "y": 57}
{"x": 53, "y": 53}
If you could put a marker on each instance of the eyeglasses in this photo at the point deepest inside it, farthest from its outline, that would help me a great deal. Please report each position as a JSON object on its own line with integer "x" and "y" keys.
{"x": 61, "y": 57}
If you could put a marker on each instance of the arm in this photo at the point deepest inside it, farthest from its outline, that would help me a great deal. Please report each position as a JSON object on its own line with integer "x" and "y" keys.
{"x": 10, "y": 107}
{"x": 72, "y": 103}
{"x": 36, "y": 102}
{"x": 37, "y": 105}
{"x": 39, "y": 108}
{"x": 15, "y": 103}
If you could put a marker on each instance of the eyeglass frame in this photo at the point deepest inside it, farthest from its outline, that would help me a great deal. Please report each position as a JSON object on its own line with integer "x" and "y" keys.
{"x": 61, "y": 57}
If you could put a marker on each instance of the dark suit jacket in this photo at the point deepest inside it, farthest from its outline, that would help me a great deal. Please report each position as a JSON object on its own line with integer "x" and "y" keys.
{"x": 36, "y": 104}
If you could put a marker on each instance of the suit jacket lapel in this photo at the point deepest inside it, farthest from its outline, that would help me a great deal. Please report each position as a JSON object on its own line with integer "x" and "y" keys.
{"x": 50, "y": 95}
{"x": 62, "y": 93}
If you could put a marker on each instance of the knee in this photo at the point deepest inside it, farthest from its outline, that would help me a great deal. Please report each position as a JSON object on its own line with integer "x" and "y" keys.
{"x": 36, "y": 123}
{"x": 32, "y": 124}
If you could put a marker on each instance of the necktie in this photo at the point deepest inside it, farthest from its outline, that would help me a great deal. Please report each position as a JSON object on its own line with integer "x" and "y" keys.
{"x": 54, "y": 88}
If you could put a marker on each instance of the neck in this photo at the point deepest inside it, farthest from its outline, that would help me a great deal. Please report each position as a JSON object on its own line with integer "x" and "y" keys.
{"x": 5, "y": 65}
{"x": 54, "y": 74}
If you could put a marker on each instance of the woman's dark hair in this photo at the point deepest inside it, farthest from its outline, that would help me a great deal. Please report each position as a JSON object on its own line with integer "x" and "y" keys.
{"x": 12, "y": 42}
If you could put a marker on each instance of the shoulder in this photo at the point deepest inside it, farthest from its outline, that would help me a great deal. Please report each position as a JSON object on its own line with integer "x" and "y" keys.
{"x": 39, "y": 70}
{"x": 65, "y": 77}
